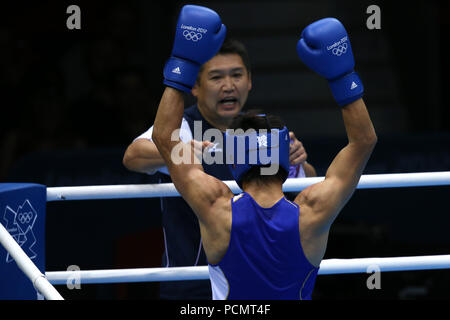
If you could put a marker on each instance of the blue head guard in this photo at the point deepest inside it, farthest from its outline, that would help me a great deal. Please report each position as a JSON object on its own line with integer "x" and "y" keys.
{"x": 251, "y": 148}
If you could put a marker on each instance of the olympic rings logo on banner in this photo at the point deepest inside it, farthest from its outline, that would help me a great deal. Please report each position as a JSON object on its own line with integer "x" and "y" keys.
{"x": 25, "y": 217}
{"x": 191, "y": 35}
{"x": 340, "y": 50}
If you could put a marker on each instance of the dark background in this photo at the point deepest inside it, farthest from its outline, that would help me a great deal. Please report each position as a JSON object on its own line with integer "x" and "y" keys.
{"x": 73, "y": 100}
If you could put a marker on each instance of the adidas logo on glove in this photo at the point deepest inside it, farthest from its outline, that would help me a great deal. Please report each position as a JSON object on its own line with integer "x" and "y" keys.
{"x": 176, "y": 70}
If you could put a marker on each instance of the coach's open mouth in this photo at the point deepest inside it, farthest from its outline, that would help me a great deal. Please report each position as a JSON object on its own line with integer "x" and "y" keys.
{"x": 228, "y": 102}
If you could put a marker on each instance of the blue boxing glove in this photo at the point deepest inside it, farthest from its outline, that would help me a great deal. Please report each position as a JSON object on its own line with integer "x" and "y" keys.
{"x": 325, "y": 48}
{"x": 199, "y": 36}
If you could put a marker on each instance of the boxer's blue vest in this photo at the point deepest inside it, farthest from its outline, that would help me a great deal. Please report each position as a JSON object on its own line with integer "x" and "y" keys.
{"x": 22, "y": 213}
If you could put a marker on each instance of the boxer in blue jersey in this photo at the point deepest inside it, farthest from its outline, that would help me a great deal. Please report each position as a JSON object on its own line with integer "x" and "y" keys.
{"x": 221, "y": 90}
{"x": 258, "y": 244}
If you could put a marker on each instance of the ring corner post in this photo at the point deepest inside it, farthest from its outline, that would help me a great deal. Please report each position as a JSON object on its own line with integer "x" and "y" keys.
{"x": 23, "y": 215}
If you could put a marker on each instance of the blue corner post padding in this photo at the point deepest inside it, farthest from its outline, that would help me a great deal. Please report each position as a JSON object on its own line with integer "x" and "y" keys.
{"x": 22, "y": 213}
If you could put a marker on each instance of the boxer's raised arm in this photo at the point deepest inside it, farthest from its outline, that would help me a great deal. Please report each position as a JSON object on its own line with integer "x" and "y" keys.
{"x": 199, "y": 189}
{"x": 325, "y": 48}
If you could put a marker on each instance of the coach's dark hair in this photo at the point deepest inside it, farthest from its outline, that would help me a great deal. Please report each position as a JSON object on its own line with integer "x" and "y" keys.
{"x": 235, "y": 46}
{"x": 257, "y": 119}
{"x": 231, "y": 46}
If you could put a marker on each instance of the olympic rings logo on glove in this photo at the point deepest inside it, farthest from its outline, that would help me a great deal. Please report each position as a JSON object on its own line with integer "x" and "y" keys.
{"x": 340, "y": 50}
{"x": 25, "y": 217}
{"x": 191, "y": 35}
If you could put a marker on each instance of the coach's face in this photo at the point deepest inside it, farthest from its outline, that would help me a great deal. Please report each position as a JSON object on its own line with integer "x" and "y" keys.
{"x": 222, "y": 87}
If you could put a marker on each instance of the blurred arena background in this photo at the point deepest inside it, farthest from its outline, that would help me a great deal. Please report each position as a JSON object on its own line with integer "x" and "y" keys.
{"x": 72, "y": 101}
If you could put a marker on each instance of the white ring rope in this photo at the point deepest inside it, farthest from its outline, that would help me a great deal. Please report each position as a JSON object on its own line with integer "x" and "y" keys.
{"x": 25, "y": 264}
{"x": 330, "y": 266}
{"x": 372, "y": 181}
